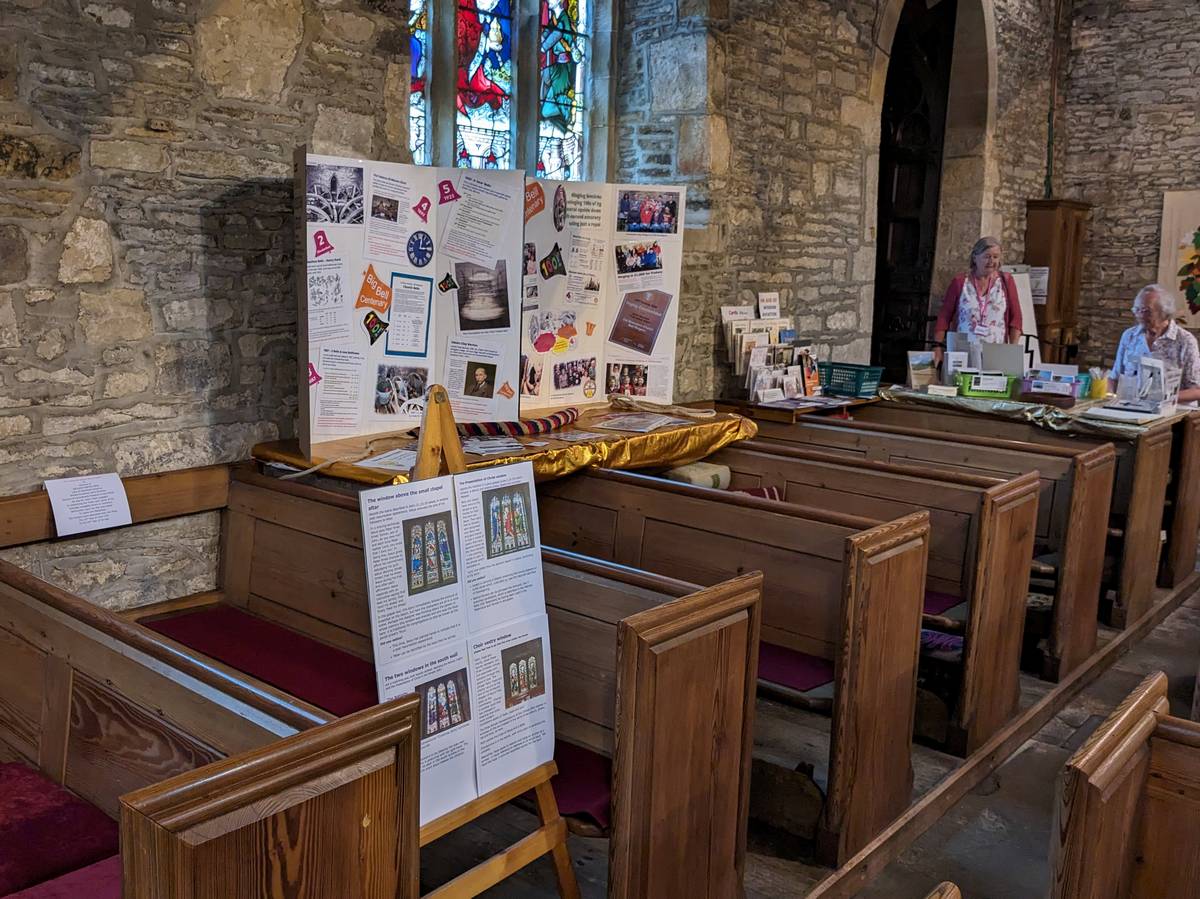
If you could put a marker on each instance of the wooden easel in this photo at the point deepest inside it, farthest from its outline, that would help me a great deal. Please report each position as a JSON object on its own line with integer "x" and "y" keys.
{"x": 439, "y": 452}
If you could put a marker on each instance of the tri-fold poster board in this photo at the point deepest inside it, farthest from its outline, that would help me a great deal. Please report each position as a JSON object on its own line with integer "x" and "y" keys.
{"x": 458, "y": 616}
{"x": 516, "y": 294}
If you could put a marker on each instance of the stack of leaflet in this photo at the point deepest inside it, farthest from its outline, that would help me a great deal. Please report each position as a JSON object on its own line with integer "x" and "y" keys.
{"x": 763, "y": 352}
{"x": 742, "y": 334}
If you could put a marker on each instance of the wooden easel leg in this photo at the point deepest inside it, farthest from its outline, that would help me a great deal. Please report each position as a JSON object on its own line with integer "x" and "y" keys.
{"x": 568, "y": 886}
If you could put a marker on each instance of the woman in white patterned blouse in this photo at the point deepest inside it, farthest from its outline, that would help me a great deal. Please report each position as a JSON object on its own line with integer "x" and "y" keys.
{"x": 1157, "y": 334}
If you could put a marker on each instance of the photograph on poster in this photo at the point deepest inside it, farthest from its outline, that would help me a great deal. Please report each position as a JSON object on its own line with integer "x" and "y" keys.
{"x": 530, "y": 256}
{"x": 560, "y": 208}
{"x": 639, "y": 319}
{"x": 523, "y": 669}
{"x": 386, "y": 208}
{"x": 482, "y": 296}
{"x": 638, "y": 257}
{"x": 506, "y": 511}
{"x": 648, "y": 210}
{"x": 629, "y": 380}
{"x": 445, "y": 703}
{"x": 400, "y": 390}
{"x": 480, "y": 380}
{"x": 429, "y": 552}
{"x": 334, "y": 194}
{"x": 531, "y": 375}
{"x": 574, "y": 373}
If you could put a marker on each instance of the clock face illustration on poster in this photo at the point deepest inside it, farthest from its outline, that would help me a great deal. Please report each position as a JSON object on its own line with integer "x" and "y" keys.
{"x": 420, "y": 249}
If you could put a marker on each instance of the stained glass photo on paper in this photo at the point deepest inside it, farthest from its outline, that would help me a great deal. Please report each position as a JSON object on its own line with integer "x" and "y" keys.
{"x": 482, "y": 132}
{"x": 418, "y": 98}
{"x": 562, "y": 48}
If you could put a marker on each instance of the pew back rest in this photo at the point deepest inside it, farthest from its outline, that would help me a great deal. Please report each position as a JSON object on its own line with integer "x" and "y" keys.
{"x": 1127, "y": 823}
{"x": 327, "y": 813}
{"x": 104, "y": 707}
{"x": 875, "y": 490}
{"x": 990, "y": 458}
{"x": 685, "y": 715}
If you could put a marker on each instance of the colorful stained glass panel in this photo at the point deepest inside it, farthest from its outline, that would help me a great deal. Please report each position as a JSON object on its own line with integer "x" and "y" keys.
{"x": 418, "y": 98}
{"x": 562, "y": 49}
{"x": 483, "y": 122}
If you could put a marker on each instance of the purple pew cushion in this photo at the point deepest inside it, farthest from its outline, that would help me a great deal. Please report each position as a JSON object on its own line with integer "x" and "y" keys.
{"x": 101, "y": 880}
{"x": 762, "y": 492}
{"x": 947, "y": 647}
{"x": 583, "y": 785}
{"x": 328, "y": 678}
{"x": 45, "y": 830}
{"x": 937, "y": 603}
{"x": 798, "y": 671}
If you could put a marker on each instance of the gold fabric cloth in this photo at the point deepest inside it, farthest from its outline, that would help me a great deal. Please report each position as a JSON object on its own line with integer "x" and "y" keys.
{"x": 676, "y": 445}
{"x": 1052, "y": 418}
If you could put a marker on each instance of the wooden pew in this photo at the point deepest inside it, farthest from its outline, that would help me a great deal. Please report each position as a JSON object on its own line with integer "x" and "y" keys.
{"x": 838, "y": 587}
{"x": 1156, "y": 486}
{"x": 980, "y": 548}
{"x": 292, "y": 556}
{"x": 223, "y": 798}
{"x": 1127, "y": 823}
{"x": 1076, "y": 485}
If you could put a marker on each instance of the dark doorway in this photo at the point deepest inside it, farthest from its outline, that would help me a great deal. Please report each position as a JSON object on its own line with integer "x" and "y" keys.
{"x": 910, "y": 174}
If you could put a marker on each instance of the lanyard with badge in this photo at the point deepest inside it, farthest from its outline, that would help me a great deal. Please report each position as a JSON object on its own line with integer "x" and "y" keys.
{"x": 981, "y": 328}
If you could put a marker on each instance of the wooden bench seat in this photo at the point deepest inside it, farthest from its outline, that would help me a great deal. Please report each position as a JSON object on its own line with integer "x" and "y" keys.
{"x": 1127, "y": 822}
{"x": 682, "y": 658}
{"x": 1156, "y": 488}
{"x": 1073, "y": 502}
{"x": 980, "y": 544}
{"x": 191, "y": 753}
{"x": 842, "y": 588}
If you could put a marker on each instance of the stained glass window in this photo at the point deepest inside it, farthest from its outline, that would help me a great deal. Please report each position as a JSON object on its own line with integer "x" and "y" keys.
{"x": 562, "y": 47}
{"x": 418, "y": 97}
{"x": 483, "y": 132}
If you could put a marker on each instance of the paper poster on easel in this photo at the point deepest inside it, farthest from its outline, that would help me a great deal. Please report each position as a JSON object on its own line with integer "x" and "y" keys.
{"x": 458, "y": 615}
{"x": 600, "y": 291}
{"x": 404, "y": 270}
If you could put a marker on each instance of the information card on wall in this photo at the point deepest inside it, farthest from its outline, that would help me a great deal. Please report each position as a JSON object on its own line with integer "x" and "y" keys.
{"x": 599, "y": 291}
{"x": 458, "y": 616}
{"x": 411, "y": 277}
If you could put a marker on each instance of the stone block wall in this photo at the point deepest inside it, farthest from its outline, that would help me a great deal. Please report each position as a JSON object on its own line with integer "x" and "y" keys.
{"x": 1131, "y": 106}
{"x": 147, "y": 318}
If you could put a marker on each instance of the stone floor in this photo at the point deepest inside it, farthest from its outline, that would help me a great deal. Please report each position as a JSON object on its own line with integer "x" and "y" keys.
{"x": 993, "y": 843}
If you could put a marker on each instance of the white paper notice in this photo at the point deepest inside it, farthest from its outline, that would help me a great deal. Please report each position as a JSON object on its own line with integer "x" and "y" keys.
{"x": 88, "y": 503}
{"x": 474, "y": 229}
{"x": 413, "y": 570}
{"x": 442, "y": 681}
{"x": 338, "y": 391}
{"x": 499, "y": 525}
{"x": 392, "y": 460}
{"x": 408, "y": 321}
{"x": 513, "y": 692}
{"x": 328, "y": 308}
{"x": 471, "y": 369}
{"x": 388, "y": 219}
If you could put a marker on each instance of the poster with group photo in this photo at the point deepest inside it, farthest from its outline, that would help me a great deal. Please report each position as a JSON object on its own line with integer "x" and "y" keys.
{"x": 600, "y": 291}
{"x": 458, "y": 616}
{"x": 410, "y": 277}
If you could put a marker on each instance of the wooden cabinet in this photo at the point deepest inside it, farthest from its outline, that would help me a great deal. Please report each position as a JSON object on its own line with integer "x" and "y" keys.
{"x": 1054, "y": 233}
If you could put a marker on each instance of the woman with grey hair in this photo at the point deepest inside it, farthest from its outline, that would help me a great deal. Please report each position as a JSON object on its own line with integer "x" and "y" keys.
{"x": 982, "y": 301}
{"x": 1157, "y": 334}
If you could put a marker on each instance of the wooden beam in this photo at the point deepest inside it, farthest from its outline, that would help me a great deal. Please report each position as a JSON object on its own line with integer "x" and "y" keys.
{"x": 862, "y": 868}
{"x": 26, "y": 517}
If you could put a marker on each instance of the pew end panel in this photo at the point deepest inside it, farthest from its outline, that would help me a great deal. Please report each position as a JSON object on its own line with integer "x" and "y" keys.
{"x": 1142, "y": 546}
{"x": 1183, "y": 514}
{"x": 327, "y": 813}
{"x": 1077, "y": 601}
{"x": 685, "y": 709}
{"x": 991, "y": 658}
{"x": 1097, "y": 816}
{"x": 871, "y": 776}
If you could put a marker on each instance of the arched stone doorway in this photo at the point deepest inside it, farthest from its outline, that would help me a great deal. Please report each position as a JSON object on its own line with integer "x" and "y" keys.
{"x": 937, "y": 175}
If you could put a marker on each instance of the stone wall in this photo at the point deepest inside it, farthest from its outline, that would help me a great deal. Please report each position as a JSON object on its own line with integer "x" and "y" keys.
{"x": 146, "y": 314}
{"x": 1131, "y": 112}
{"x": 766, "y": 110}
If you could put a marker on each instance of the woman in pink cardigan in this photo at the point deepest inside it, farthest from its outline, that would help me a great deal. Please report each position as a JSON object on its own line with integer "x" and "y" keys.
{"x": 982, "y": 302}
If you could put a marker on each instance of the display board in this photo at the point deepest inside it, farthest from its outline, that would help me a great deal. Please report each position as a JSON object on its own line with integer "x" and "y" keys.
{"x": 409, "y": 276}
{"x": 1179, "y": 252}
{"x": 599, "y": 292}
{"x": 458, "y": 616}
